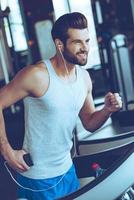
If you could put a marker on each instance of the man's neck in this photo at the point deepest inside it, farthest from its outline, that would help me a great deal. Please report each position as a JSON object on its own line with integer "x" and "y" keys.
{"x": 62, "y": 67}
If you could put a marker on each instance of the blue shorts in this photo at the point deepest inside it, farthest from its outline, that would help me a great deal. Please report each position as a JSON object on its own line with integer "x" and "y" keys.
{"x": 68, "y": 184}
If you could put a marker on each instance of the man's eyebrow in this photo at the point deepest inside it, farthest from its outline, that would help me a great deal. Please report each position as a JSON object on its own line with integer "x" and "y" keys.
{"x": 78, "y": 40}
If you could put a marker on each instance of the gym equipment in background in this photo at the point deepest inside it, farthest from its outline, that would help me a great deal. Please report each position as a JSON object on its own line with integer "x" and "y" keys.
{"x": 123, "y": 80}
{"x": 116, "y": 155}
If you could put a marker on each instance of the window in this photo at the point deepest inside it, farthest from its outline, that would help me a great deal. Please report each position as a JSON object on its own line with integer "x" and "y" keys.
{"x": 15, "y": 25}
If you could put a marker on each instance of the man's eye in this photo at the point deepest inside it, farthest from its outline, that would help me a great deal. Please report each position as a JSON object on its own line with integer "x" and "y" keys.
{"x": 77, "y": 42}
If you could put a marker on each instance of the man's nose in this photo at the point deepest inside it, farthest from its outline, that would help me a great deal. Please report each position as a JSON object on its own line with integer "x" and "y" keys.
{"x": 85, "y": 46}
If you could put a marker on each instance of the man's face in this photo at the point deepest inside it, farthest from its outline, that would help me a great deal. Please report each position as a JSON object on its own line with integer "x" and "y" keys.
{"x": 77, "y": 46}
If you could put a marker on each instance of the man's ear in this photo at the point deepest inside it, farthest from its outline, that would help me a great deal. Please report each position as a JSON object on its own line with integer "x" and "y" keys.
{"x": 59, "y": 44}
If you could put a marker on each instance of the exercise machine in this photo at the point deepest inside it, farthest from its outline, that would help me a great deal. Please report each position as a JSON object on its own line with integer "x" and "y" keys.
{"x": 116, "y": 155}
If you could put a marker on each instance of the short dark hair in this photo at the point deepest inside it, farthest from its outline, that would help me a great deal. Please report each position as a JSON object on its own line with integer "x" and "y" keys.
{"x": 70, "y": 20}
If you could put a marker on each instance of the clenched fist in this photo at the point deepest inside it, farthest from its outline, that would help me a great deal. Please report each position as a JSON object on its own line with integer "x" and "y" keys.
{"x": 113, "y": 102}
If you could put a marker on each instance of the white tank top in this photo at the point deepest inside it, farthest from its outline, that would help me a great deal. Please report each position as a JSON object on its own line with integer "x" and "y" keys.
{"x": 49, "y": 123}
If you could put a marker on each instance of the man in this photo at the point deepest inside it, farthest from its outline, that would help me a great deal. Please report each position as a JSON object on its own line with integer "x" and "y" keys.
{"x": 55, "y": 93}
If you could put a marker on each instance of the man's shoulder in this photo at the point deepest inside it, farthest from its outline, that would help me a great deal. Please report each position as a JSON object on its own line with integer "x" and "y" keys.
{"x": 32, "y": 74}
{"x": 40, "y": 64}
{"x": 35, "y": 78}
{"x": 35, "y": 70}
{"x": 84, "y": 73}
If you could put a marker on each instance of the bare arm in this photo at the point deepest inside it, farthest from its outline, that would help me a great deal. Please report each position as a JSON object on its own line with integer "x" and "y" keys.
{"x": 90, "y": 117}
{"x": 26, "y": 82}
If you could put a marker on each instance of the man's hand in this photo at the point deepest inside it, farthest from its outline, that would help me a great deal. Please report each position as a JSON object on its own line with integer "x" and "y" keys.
{"x": 15, "y": 159}
{"x": 113, "y": 102}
